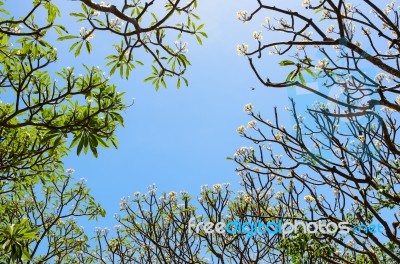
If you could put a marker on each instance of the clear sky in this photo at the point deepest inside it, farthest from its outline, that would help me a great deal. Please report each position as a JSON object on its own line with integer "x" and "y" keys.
{"x": 177, "y": 139}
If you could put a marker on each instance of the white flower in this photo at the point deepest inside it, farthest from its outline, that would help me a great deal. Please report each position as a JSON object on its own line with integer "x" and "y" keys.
{"x": 366, "y": 31}
{"x": 257, "y": 35}
{"x": 86, "y": 33}
{"x": 336, "y": 192}
{"x": 242, "y": 16}
{"x": 123, "y": 203}
{"x": 152, "y": 189}
{"x": 278, "y": 195}
{"x": 251, "y": 124}
{"x": 309, "y": 199}
{"x": 17, "y": 30}
{"x": 378, "y": 143}
{"x": 349, "y": 7}
{"x": 242, "y": 49}
{"x": 248, "y": 108}
{"x": 241, "y": 129}
{"x": 380, "y": 77}
{"x": 247, "y": 199}
{"x": 279, "y": 136}
{"x": 330, "y": 29}
{"x": 322, "y": 64}
{"x": 70, "y": 171}
{"x": 217, "y": 187}
{"x": 326, "y": 14}
{"x": 172, "y": 196}
{"x": 103, "y": 4}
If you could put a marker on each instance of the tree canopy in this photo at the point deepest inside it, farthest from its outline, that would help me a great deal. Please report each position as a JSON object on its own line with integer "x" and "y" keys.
{"x": 336, "y": 162}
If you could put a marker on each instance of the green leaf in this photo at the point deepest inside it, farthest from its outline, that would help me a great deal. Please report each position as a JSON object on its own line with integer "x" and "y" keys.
{"x": 290, "y": 76}
{"x": 116, "y": 116}
{"x": 88, "y": 46}
{"x": 199, "y": 40}
{"x": 80, "y": 146}
{"x": 302, "y": 80}
{"x": 149, "y": 79}
{"x": 78, "y": 49}
{"x": 286, "y": 63}
{"x": 309, "y": 71}
{"x": 67, "y": 37}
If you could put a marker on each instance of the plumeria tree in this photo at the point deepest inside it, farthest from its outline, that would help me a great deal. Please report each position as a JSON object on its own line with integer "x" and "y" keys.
{"x": 341, "y": 155}
{"x": 46, "y": 110}
{"x": 337, "y": 161}
{"x": 161, "y": 228}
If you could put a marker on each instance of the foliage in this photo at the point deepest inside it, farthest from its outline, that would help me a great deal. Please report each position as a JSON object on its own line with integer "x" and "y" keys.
{"x": 141, "y": 25}
{"x": 15, "y": 238}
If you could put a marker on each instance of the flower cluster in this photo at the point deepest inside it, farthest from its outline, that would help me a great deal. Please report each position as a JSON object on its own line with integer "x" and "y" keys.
{"x": 181, "y": 47}
{"x": 115, "y": 23}
{"x": 17, "y": 29}
{"x": 257, "y": 35}
{"x": 123, "y": 203}
{"x": 322, "y": 64}
{"x": 309, "y": 199}
{"x": 241, "y": 129}
{"x": 242, "y": 16}
{"x": 279, "y": 136}
{"x": 244, "y": 151}
{"x": 252, "y": 124}
{"x": 366, "y": 31}
{"x": 152, "y": 189}
{"x": 242, "y": 49}
{"x": 248, "y": 108}
{"x": 217, "y": 187}
{"x": 103, "y": 4}
{"x": 349, "y": 8}
{"x": 330, "y": 29}
{"x": 86, "y": 33}
{"x": 69, "y": 171}
{"x": 380, "y": 77}
{"x": 172, "y": 196}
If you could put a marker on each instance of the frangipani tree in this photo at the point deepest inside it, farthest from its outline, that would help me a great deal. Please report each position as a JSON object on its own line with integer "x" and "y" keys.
{"x": 342, "y": 154}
